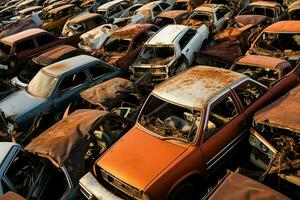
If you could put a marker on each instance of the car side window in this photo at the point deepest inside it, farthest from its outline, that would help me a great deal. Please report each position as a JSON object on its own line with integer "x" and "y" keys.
{"x": 98, "y": 70}
{"x": 156, "y": 10}
{"x": 249, "y": 92}
{"x": 25, "y": 45}
{"x": 20, "y": 173}
{"x": 221, "y": 12}
{"x": 164, "y": 6}
{"x": 220, "y": 115}
{"x": 71, "y": 81}
{"x": 124, "y": 5}
{"x": 115, "y": 9}
{"x": 186, "y": 38}
{"x": 44, "y": 39}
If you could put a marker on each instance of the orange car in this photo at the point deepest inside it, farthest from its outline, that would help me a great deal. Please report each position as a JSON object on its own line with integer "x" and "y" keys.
{"x": 186, "y": 129}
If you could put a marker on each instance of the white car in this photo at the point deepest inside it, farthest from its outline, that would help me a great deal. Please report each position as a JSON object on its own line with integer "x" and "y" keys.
{"x": 113, "y": 9}
{"x": 128, "y": 16}
{"x": 170, "y": 51}
{"x": 149, "y": 11}
{"x": 215, "y": 16}
{"x": 94, "y": 39}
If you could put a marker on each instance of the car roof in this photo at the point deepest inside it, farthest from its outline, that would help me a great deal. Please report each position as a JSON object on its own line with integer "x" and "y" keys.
{"x": 67, "y": 65}
{"x": 264, "y": 3}
{"x": 10, "y": 40}
{"x": 127, "y": 32}
{"x": 288, "y": 26}
{"x": 109, "y": 4}
{"x": 83, "y": 17}
{"x": 167, "y": 35}
{"x": 172, "y": 14}
{"x": 263, "y": 61}
{"x": 57, "y": 9}
{"x": 53, "y": 54}
{"x": 276, "y": 113}
{"x": 5, "y": 147}
{"x": 149, "y": 6}
{"x": 207, "y": 7}
{"x": 195, "y": 87}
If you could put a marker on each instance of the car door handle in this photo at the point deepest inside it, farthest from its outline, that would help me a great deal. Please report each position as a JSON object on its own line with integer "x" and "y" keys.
{"x": 187, "y": 50}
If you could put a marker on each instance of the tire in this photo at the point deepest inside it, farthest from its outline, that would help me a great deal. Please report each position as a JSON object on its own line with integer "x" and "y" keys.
{"x": 184, "y": 191}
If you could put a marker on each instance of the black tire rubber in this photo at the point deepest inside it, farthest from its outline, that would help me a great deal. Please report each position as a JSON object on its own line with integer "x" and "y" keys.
{"x": 185, "y": 191}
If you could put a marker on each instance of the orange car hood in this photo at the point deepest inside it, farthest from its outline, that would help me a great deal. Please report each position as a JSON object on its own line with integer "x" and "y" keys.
{"x": 138, "y": 157}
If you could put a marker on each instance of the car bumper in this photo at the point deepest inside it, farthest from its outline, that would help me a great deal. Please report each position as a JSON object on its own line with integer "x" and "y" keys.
{"x": 92, "y": 189}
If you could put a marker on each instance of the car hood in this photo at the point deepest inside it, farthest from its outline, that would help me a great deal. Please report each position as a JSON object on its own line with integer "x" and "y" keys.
{"x": 18, "y": 103}
{"x": 138, "y": 157}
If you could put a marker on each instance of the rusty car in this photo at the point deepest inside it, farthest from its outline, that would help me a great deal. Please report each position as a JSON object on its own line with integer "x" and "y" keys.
{"x": 237, "y": 186}
{"x": 82, "y": 23}
{"x": 11, "y": 196}
{"x": 51, "y": 56}
{"x": 294, "y": 10}
{"x": 50, "y": 166}
{"x": 215, "y": 16}
{"x": 190, "y": 124}
{"x": 113, "y": 9}
{"x": 275, "y": 138}
{"x": 19, "y": 48}
{"x": 170, "y": 17}
{"x": 123, "y": 46}
{"x": 55, "y": 19}
{"x": 127, "y": 16}
{"x": 264, "y": 69}
{"x": 280, "y": 39}
{"x": 48, "y": 94}
{"x": 94, "y": 39}
{"x": 273, "y": 10}
{"x": 149, "y": 11}
{"x": 171, "y": 50}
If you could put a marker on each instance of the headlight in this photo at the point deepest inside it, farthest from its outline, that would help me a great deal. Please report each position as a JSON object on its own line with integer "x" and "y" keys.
{"x": 146, "y": 197}
{"x": 253, "y": 140}
{"x": 264, "y": 148}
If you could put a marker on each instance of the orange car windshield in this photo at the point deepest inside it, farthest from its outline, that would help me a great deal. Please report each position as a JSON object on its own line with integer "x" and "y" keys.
{"x": 170, "y": 121}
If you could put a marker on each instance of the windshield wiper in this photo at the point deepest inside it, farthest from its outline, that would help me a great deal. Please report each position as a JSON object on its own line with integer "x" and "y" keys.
{"x": 174, "y": 138}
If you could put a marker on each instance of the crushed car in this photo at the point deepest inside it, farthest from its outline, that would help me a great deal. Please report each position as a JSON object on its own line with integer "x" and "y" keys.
{"x": 215, "y": 16}
{"x": 127, "y": 16}
{"x": 164, "y": 57}
{"x": 50, "y": 166}
{"x": 275, "y": 138}
{"x": 148, "y": 12}
{"x": 294, "y": 10}
{"x": 94, "y": 39}
{"x": 237, "y": 186}
{"x": 51, "y": 56}
{"x": 264, "y": 69}
{"x": 190, "y": 124}
{"x": 49, "y": 93}
{"x": 273, "y": 10}
{"x": 82, "y": 23}
{"x": 113, "y": 9}
{"x": 281, "y": 39}
{"x": 123, "y": 46}
{"x": 170, "y": 17}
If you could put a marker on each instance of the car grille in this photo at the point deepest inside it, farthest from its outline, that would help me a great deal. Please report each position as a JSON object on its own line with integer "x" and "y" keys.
{"x": 122, "y": 186}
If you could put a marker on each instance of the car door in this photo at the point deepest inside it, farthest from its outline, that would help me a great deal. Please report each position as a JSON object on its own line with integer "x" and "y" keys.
{"x": 68, "y": 88}
{"x": 221, "y": 17}
{"x": 188, "y": 45}
{"x": 223, "y": 130}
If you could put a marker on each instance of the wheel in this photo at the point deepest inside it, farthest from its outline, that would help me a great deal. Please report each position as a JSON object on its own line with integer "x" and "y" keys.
{"x": 184, "y": 191}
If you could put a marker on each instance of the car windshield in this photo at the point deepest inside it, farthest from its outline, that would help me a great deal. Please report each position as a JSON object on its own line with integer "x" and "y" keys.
{"x": 41, "y": 85}
{"x": 30, "y": 70}
{"x": 162, "y": 21}
{"x": 157, "y": 54}
{"x": 205, "y": 17}
{"x": 265, "y": 76}
{"x": 170, "y": 121}
{"x": 253, "y": 10}
{"x": 284, "y": 42}
{"x": 116, "y": 45}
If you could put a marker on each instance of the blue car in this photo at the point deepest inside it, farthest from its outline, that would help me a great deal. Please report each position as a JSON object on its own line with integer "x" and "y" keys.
{"x": 50, "y": 91}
